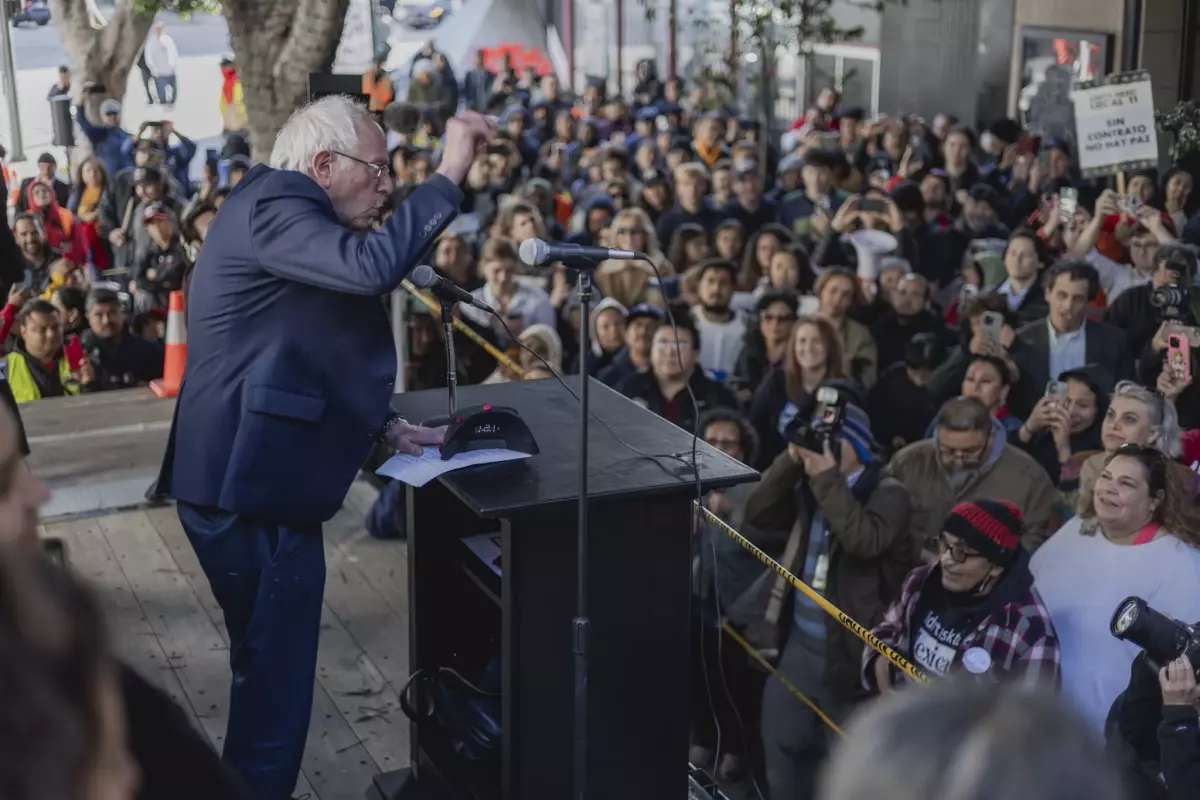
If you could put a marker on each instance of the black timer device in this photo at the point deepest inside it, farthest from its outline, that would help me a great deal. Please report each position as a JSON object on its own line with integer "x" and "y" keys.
{"x": 487, "y": 427}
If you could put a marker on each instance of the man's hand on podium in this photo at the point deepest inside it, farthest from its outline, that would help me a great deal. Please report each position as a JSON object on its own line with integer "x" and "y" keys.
{"x": 411, "y": 439}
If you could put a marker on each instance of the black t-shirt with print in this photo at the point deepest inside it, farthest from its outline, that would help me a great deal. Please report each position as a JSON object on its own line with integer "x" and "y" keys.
{"x": 941, "y": 621}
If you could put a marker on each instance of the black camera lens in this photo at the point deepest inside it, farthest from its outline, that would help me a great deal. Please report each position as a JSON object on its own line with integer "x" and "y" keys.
{"x": 1163, "y": 638}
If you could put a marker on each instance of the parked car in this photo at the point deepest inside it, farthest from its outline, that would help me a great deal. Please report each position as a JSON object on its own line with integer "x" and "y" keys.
{"x": 35, "y": 11}
{"x": 421, "y": 14}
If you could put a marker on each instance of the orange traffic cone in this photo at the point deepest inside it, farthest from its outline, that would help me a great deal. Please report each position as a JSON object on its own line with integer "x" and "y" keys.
{"x": 175, "y": 362}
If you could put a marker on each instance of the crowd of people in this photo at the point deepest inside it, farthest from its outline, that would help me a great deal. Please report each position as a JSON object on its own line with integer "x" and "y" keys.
{"x": 1017, "y": 429}
{"x": 1010, "y": 345}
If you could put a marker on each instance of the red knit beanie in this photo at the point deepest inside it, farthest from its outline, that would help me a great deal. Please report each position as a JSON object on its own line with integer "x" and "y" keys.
{"x": 993, "y": 527}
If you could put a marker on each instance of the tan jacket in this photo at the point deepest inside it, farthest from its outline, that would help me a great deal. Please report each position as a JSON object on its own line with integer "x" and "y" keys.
{"x": 869, "y": 555}
{"x": 1015, "y": 477}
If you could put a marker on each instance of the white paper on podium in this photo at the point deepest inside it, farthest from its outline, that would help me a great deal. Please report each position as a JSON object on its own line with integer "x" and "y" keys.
{"x": 420, "y": 470}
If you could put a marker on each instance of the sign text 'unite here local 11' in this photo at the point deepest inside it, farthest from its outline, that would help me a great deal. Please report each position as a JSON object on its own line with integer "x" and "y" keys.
{"x": 1114, "y": 124}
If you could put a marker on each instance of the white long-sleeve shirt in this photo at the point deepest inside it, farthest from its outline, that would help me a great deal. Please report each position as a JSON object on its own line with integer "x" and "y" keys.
{"x": 161, "y": 55}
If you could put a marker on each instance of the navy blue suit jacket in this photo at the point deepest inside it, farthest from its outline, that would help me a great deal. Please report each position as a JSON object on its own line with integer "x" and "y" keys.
{"x": 291, "y": 362}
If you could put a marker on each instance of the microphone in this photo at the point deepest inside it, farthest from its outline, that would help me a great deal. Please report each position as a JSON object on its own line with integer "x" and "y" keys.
{"x": 536, "y": 253}
{"x": 424, "y": 277}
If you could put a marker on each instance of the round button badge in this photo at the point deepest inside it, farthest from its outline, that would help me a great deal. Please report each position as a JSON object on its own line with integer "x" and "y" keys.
{"x": 977, "y": 661}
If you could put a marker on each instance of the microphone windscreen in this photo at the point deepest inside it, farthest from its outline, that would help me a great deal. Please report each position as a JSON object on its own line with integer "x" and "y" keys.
{"x": 534, "y": 252}
{"x": 422, "y": 276}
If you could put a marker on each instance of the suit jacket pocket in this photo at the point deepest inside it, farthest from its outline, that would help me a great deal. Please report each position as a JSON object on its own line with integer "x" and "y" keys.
{"x": 283, "y": 403}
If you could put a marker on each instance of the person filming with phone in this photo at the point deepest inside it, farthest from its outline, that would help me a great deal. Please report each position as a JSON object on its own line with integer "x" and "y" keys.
{"x": 830, "y": 513}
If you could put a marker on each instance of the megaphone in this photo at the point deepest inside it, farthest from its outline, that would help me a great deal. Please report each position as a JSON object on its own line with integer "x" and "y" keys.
{"x": 870, "y": 245}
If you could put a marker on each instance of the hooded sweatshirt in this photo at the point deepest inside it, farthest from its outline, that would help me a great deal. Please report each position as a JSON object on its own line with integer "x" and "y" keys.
{"x": 1083, "y": 444}
{"x": 63, "y": 233}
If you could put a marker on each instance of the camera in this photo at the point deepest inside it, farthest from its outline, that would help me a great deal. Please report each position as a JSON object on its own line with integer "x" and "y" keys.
{"x": 1171, "y": 299}
{"x": 824, "y": 423}
{"x": 1164, "y": 639}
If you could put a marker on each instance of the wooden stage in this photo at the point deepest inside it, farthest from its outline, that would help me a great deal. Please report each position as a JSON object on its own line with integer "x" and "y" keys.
{"x": 99, "y": 454}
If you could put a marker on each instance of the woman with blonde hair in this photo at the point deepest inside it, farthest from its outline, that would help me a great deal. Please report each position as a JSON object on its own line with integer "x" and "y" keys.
{"x": 1135, "y": 415}
{"x": 631, "y": 283}
{"x": 1139, "y": 535}
{"x": 815, "y": 356}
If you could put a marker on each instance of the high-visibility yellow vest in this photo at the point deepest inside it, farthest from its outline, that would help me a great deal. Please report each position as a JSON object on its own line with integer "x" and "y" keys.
{"x": 25, "y": 388}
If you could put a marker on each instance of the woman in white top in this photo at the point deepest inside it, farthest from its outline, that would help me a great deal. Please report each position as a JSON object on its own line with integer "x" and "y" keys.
{"x": 1139, "y": 536}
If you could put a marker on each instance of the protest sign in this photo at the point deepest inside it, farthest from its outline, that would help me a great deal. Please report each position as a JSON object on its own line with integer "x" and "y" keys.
{"x": 1114, "y": 124}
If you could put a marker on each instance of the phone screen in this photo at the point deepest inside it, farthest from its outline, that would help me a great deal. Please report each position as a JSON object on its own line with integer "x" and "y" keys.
{"x": 73, "y": 349}
{"x": 1068, "y": 202}
{"x": 1179, "y": 358}
{"x": 872, "y": 205}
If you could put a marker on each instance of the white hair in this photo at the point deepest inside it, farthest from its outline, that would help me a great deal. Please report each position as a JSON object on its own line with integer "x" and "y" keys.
{"x": 331, "y": 123}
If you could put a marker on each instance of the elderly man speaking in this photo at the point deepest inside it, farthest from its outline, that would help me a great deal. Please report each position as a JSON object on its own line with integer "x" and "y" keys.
{"x": 291, "y": 369}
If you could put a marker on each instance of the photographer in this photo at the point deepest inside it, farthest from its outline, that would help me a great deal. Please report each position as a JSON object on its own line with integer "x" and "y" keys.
{"x": 108, "y": 140}
{"x": 1143, "y": 311}
{"x": 1152, "y": 732}
{"x": 831, "y": 515}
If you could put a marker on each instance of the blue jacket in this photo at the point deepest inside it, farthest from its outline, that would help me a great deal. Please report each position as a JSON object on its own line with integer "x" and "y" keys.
{"x": 291, "y": 362}
{"x": 178, "y": 159}
{"x": 108, "y": 144}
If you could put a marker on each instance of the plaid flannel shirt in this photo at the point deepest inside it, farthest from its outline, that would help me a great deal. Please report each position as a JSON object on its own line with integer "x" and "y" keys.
{"x": 1018, "y": 636}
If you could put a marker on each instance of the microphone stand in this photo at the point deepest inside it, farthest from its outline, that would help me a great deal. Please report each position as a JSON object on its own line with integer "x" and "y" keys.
{"x": 582, "y": 625}
{"x": 447, "y": 305}
{"x": 451, "y": 360}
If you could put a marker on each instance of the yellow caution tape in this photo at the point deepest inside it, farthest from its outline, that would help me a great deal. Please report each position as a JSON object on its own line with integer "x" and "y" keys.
{"x": 465, "y": 330}
{"x": 737, "y": 637}
{"x": 899, "y": 661}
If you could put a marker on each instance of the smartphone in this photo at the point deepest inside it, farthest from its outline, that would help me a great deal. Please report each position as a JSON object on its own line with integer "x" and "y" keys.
{"x": 1068, "y": 202}
{"x": 824, "y": 204}
{"x": 872, "y": 205}
{"x": 1179, "y": 358}
{"x": 1044, "y": 159}
{"x": 1057, "y": 391}
{"x": 73, "y": 350}
{"x": 1029, "y": 144}
{"x": 223, "y": 173}
{"x": 991, "y": 325}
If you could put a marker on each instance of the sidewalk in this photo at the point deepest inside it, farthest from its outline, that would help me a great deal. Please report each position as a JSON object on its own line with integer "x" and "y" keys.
{"x": 197, "y": 115}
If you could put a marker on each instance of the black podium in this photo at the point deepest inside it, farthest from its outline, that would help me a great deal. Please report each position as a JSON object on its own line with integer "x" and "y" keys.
{"x": 462, "y": 615}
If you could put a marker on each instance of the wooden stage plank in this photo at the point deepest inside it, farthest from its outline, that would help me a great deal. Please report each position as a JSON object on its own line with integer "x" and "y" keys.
{"x": 92, "y": 559}
{"x": 197, "y": 652}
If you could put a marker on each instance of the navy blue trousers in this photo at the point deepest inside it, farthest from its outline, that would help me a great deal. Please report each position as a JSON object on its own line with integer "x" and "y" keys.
{"x": 270, "y": 582}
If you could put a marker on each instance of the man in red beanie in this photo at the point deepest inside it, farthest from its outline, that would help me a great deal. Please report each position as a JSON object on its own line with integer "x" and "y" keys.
{"x": 975, "y": 609}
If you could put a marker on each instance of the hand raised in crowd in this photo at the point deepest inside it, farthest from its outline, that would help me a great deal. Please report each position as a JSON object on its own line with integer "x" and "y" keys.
{"x": 1107, "y": 204}
{"x": 1048, "y": 413}
{"x": 983, "y": 345}
{"x": 1060, "y": 431}
{"x": 117, "y": 237}
{"x": 1152, "y": 220}
{"x": 814, "y": 463}
{"x": 467, "y": 135}
{"x": 19, "y": 294}
{"x": 1178, "y": 683}
{"x": 1037, "y": 174}
{"x": 1008, "y": 159}
{"x": 1020, "y": 170}
{"x": 910, "y": 165}
{"x": 1170, "y": 386}
{"x": 846, "y": 216}
{"x": 86, "y": 374}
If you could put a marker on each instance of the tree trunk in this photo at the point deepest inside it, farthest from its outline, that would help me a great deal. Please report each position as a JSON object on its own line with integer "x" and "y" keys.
{"x": 102, "y": 54}
{"x": 277, "y": 44}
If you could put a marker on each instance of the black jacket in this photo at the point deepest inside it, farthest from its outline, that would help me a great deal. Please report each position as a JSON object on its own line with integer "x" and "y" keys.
{"x": 643, "y": 389}
{"x": 1104, "y": 344}
{"x": 1147, "y": 739}
{"x": 132, "y": 362}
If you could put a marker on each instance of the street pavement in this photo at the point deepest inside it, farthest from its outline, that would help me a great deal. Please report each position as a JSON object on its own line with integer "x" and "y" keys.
{"x": 201, "y": 39}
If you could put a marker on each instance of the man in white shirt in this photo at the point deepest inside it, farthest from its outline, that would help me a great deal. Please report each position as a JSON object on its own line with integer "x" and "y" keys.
{"x": 162, "y": 57}
{"x": 722, "y": 331}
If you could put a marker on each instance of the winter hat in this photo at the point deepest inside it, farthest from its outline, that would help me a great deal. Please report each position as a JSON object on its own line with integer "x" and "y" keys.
{"x": 993, "y": 527}
{"x": 856, "y": 429}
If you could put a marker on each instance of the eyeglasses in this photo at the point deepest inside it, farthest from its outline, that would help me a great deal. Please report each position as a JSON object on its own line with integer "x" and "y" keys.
{"x": 958, "y": 553}
{"x": 966, "y": 455}
{"x": 377, "y": 169}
